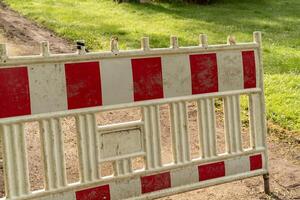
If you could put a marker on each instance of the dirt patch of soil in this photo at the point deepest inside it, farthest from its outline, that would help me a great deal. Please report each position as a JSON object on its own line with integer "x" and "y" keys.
{"x": 23, "y": 37}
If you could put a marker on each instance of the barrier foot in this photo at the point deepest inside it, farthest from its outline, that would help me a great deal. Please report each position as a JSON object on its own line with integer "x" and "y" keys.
{"x": 267, "y": 184}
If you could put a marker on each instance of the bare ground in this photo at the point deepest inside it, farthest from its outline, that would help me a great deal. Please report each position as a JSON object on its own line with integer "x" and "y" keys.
{"x": 23, "y": 37}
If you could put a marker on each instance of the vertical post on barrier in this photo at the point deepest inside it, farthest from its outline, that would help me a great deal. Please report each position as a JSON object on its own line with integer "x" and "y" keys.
{"x": 145, "y": 44}
{"x": 203, "y": 40}
{"x": 16, "y": 175}
{"x": 257, "y": 39}
{"x": 45, "y": 49}
{"x": 53, "y": 153}
{"x": 180, "y": 136}
{"x": 231, "y": 40}
{"x": 80, "y": 44}
{"x": 114, "y": 46}
{"x": 232, "y": 127}
{"x": 87, "y": 148}
{"x": 256, "y": 121}
{"x": 3, "y": 51}
{"x": 207, "y": 129}
{"x": 152, "y": 134}
{"x": 174, "y": 42}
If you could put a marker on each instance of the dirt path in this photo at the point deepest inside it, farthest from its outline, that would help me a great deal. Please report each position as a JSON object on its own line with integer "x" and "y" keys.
{"x": 23, "y": 37}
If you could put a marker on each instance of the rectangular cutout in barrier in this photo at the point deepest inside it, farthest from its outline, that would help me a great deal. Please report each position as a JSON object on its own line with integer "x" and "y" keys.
{"x": 106, "y": 169}
{"x": 166, "y": 134}
{"x": 245, "y": 122}
{"x": 36, "y": 166}
{"x": 68, "y": 128}
{"x": 193, "y": 129}
{"x": 220, "y": 126}
{"x": 120, "y": 142}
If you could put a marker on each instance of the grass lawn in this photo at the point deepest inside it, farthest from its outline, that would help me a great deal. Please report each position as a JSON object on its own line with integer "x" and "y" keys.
{"x": 96, "y": 21}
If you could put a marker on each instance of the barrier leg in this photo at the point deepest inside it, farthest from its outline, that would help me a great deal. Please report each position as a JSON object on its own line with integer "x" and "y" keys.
{"x": 267, "y": 184}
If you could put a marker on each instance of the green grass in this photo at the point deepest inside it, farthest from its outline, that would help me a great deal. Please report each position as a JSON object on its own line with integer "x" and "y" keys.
{"x": 96, "y": 21}
{"x": 283, "y": 99}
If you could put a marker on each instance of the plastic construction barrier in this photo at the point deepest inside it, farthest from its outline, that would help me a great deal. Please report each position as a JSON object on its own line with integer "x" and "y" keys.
{"x": 49, "y": 87}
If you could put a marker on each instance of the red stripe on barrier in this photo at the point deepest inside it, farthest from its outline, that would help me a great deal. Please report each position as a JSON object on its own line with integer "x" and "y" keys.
{"x": 210, "y": 171}
{"x": 204, "y": 72}
{"x": 14, "y": 90}
{"x": 255, "y": 162}
{"x": 83, "y": 85}
{"x": 156, "y": 182}
{"x": 97, "y": 193}
{"x": 147, "y": 78}
{"x": 249, "y": 69}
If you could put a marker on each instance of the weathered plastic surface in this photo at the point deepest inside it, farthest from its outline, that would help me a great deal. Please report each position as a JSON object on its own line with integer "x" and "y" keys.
{"x": 49, "y": 87}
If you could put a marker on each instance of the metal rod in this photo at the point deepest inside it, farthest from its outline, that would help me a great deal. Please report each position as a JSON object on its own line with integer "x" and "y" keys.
{"x": 267, "y": 184}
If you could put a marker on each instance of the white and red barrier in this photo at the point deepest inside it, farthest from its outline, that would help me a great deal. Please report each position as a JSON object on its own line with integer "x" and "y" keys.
{"x": 170, "y": 181}
{"x": 43, "y": 88}
{"x": 49, "y": 87}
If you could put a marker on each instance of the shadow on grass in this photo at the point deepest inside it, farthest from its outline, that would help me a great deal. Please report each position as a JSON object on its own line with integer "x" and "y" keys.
{"x": 100, "y": 34}
{"x": 245, "y": 16}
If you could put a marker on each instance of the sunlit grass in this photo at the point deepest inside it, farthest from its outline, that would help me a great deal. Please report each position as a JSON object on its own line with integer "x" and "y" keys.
{"x": 283, "y": 99}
